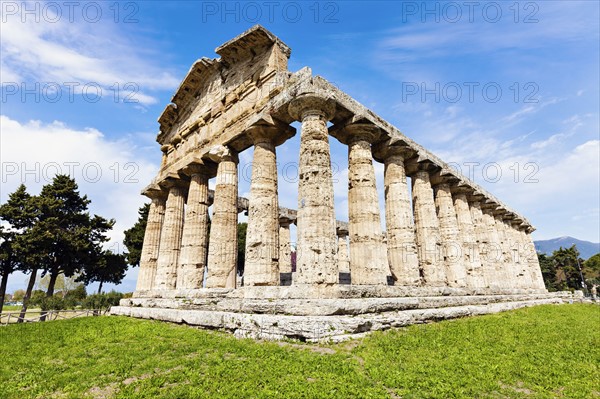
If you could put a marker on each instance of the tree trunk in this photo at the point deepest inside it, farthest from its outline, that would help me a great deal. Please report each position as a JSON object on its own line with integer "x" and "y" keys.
{"x": 51, "y": 284}
{"x": 100, "y": 287}
{"x": 50, "y": 291}
{"x": 30, "y": 285}
{"x": 3, "y": 290}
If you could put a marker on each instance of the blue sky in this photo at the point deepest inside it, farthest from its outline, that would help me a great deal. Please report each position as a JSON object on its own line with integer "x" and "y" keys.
{"x": 508, "y": 92}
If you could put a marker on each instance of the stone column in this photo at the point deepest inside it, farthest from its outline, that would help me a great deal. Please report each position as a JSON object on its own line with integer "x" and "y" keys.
{"x": 450, "y": 235}
{"x": 401, "y": 245}
{"x": 194, "y": 243}
{"x": 150, "y": 248}
{"x": 317, "y": 241}
{"x": 523, "y": 275}
{"x": 482, "y": 241}
{"x": 494, "y": 250}
{"x": 285, "y": 249}
{"x": 507, "y": 267}
{"x": 170, "y": 237}
{"x": 342, "y": 252}
{"x": 222, "y": 247}
{"x": 470, "y": 248}
{"x": 262, "y": 237}
{"x": 368, "y": 255}
{"x": 537, "y": 279}
{"x": 427, "y": 231}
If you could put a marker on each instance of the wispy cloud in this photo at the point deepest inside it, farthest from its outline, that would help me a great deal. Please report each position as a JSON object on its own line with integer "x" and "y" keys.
{"x": 80, "y": 51}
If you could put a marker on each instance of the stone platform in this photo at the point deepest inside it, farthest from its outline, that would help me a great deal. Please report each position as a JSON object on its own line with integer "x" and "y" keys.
{"x": 337, "y": 314}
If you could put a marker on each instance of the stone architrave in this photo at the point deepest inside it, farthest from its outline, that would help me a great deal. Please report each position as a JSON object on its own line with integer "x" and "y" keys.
{"x": 194, "y": 243}
{"x": 151, "y": 245}
{"x": 317, "y": 240}
{"x": 427, "y": 229}
{"x": 450, "y": 235}
{"x": 262, "y": 237}
{"x": 400, "y": 229}
{"x": 470, "y": 248}
{"x": 368, "y": 255}
{"x": 285, "y": 249}
{"x": 170, "y": 237}
{"x": 222, "y": 246}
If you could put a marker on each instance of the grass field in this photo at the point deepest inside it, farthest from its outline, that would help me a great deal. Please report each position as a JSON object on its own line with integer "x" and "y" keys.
{"x": 541, "y": 352}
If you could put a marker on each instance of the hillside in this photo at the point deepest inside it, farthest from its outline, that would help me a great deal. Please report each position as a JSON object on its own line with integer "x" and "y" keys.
{"x": 586, "y": 248}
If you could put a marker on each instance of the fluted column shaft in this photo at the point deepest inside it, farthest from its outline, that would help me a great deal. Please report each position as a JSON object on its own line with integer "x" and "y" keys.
{"x": 170, "y": 239}
{"x": 449, "y": 234}
{"x": 222, "y": 247}
{"x": 342, "y": 254}
{"x": 151, "y": 245}
{"x": 427, "y": 231}
{"x": 522, "y": 266}
{"x": 285, "y": 249}
{"x": 368, "y": 257}
{"x": 401, "y": 244}
{"x": 535, "y": 272}
{"x": 507, "y": 274}
{"x": 317, "y": 240}
{"x": 262, "y": 237}
{"x": 470, "y": 248}
{"x": 494, "y": 250}
{"x": 482, "y": 242}
{"x": 194, "y": 243}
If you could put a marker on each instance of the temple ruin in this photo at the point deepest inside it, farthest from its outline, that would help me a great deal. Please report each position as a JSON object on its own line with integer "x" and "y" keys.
{"x": 449, "y": 249}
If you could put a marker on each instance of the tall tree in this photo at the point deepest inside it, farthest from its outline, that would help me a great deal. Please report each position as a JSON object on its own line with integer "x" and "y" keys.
{"x": 568, "y": 268}
{"x": 72, "y": 238}
{"x": 109, "y": 268}
{"x": 548, "y": 271}
{"x": 18, "y": 216}
{"x": 134, "y": 237}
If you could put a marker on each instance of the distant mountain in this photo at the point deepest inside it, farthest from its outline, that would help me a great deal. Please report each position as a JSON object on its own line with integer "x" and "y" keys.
{"x": 586, "y": 249}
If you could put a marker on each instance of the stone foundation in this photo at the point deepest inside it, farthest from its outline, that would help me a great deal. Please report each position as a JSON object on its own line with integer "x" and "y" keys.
{"x": 351, "y": 314}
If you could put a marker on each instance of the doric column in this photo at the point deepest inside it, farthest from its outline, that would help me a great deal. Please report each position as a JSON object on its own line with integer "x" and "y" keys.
{"x": 262, "y": 237}
{"x": 494, "y": 249}
{"x": 150, "y": 248}
{"x": 507, "y": 267}
{"x": 222, "y": 247}
{"x": 170, "y": 237}
{"x": 368, "y": 255}
{"x": 482, "y": 240}
{"x": 450, "y": 234}
{"x": 427, "y": 230}
{"x": 470, "y": 248}
{"x": 522, "y": 266}
{"x": 401, "y": 245}
{"x": 537, "y": 279}
{"x": 317, "y": 241}
{"x": 343, "y": 259}
{"x": 194, "y": 243}
{"x": 285, "y": 249}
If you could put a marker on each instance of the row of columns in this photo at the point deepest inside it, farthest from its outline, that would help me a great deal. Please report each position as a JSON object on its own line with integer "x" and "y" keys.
{"x": 444, "y": 235}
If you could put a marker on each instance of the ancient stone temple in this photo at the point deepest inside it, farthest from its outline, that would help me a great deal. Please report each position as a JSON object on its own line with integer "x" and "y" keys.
{"x": 449, "y": 248}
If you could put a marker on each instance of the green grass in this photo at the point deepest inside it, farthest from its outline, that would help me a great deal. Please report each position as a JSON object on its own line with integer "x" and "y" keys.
{"x": 11, "y": 308}
{"x": 540, "y": 352}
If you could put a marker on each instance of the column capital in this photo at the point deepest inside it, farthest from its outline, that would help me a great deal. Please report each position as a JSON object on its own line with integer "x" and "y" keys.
{"x": 390, "y": 152}
{"x": 311, "y": 104}
{"x": 357, "y": 131}
{"x": 195, "y": 169}
{"x": 171, "y": 181}
{"x": 221, "y": 153}
{"x": 154, "y": 191}
{"x": 275, "y": 134}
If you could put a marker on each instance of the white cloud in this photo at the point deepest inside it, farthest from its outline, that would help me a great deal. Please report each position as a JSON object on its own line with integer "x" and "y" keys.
{"x": 110, "y": 172}
{"x": 79, "y": 51}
